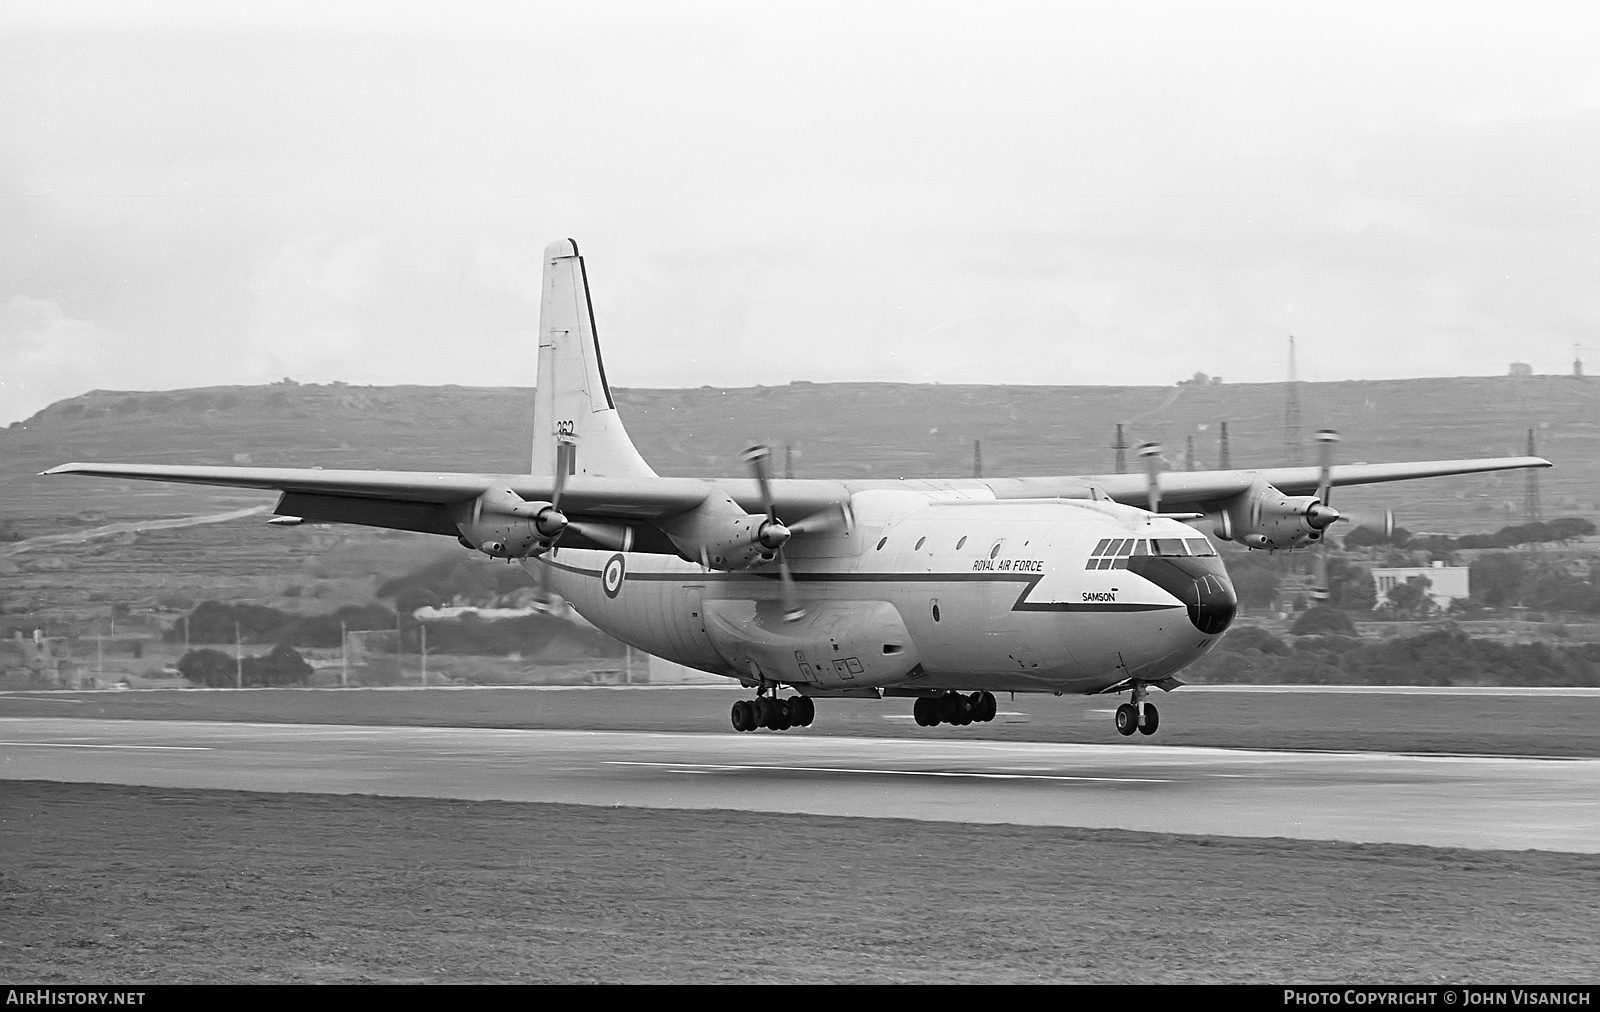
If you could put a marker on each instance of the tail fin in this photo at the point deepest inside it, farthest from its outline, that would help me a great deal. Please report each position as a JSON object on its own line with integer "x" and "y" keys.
{"x": 572, "y": 402}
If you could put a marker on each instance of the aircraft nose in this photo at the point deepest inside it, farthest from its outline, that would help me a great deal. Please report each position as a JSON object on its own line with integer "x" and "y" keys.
{"x": 1212, "y": 603}
{"x": 1199, "y": 582}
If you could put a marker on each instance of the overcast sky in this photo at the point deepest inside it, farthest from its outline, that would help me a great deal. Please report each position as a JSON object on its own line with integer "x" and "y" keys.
{"x": 196, "y": 194}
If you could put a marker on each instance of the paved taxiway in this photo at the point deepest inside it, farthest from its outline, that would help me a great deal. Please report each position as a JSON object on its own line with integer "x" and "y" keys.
{"x": 1476, "y": 802}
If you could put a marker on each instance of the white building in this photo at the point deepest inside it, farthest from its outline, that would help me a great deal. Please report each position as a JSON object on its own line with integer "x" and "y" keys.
{"x": 1445, "y": 583}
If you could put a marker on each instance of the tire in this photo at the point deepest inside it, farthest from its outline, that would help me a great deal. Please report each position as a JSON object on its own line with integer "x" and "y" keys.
{"x": 763, "y": 712}
{"x": 1152, "y": 720}
{"x": 950, "y": 709}
{"x": 743, "y": 719}
{"x": 1127, "y": 719}
{"x": 782, "y": 715}
{"x": 990, "y": 707}
{"x": 808, "y": 710}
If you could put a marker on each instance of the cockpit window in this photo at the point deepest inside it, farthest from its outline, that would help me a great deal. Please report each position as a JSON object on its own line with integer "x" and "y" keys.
{"x": 1200, "y": 546}
{"x": 1126, "y": 547}
{"x": 1168, "y": 546}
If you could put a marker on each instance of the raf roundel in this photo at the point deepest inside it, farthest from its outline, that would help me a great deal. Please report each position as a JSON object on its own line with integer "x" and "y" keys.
{"x": 611, "y": 577}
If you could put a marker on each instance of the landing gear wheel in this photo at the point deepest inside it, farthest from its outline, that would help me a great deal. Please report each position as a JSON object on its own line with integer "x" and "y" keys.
{"x": 803, "y": 711}
{"x": 1127, "y": 719}
{"x": 1152, "y": 719}
{"x": 781, "y": 719}
{"x": 925, "y": 711}
{"x": 954, "y": 709}
{"x": 764, "y": 707}
{"x": 985, "y": 707}
{"x": 743, "y": 718}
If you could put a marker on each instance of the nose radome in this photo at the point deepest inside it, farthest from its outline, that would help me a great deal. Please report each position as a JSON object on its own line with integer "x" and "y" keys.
{"x": 1213, "y": 604}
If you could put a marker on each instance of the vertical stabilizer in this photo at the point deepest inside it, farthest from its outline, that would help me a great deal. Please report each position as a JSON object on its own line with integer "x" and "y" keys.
{"x": 572, "y": 401}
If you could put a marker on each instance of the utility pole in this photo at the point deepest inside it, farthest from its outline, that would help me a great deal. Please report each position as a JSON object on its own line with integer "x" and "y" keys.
{"x": 1224, "y": 456}
{"x": 1188, "y": 454}
{"x": 238, "y": 658}
{"x": 1291, "y": 413}
{"x": 788, "y": 460}
{"x": 423, "y": 631}
{"x": 344, "y": 656}
{"x": 1531, "y": 505}
{"x": 1120, "y": 444}
{"x": 977, "y": 458}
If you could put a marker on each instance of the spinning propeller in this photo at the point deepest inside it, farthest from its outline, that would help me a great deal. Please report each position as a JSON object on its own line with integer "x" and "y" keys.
{"x": 1151, "y": 454}
{"x": 552, "y": 524}
{"x": 773, "y": 533}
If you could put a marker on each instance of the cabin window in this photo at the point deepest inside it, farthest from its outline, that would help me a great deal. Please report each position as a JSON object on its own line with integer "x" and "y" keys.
{"x": 881, "y": 542}
{"x": 936, "y": 611}
{"x": 918, "y": 546}
{"x": 961, "y": 542}
{"x": 996, "y": 549}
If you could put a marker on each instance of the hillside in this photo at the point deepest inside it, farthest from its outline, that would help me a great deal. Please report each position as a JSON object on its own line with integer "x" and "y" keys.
{"x": 837, "y": 430}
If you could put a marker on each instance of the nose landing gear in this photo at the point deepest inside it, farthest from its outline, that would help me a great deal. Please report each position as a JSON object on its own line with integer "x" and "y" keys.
{"x": 1138, "y": 715}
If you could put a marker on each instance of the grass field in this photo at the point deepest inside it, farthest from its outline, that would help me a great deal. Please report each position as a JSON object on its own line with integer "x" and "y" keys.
{"x": 142, "y": 885}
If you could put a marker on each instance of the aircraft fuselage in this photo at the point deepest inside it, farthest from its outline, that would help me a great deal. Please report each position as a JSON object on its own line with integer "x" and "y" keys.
{"x": 925, "y": 594}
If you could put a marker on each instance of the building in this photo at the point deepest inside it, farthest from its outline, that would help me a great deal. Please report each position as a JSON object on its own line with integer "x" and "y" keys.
{"x": 1445, "y": 583}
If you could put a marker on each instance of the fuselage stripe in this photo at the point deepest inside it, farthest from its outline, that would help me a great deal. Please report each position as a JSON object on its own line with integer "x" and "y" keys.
{"x": 1021, "y": 603}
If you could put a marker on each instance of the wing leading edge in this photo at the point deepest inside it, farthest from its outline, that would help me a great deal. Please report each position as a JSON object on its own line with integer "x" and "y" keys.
{"x": 416, "y": 500}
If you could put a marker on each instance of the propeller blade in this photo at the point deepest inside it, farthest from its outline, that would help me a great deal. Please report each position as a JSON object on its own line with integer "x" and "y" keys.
{"x": 612, "y": 536}
{"x": 792, "y": 612}
{"x": 1151, "y": 452}
{"x": 758, "y": 457}
{"x": 824, "y": 521}
{"x": 1319, "y": 591}
{"x": 1325, "y": 440}
{"x": 564, "y": 449}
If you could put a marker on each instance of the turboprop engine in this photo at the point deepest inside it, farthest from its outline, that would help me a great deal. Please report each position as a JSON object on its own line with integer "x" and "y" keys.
{"x": 1263, "y": 517}
{"x": 503, "y": 524}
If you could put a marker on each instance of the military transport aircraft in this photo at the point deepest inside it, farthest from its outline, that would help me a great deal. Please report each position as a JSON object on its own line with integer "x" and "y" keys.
{"x": 945, "y": 591}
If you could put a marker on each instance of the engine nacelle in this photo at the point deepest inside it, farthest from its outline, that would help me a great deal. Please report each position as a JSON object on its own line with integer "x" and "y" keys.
{"x": 502, "y": 524}
{"x": 719, "y": 534}
{"x": 1263, "y": 517}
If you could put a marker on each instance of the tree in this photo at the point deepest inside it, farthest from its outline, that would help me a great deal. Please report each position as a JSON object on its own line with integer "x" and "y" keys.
{"x": 1498, "y": 578}
{"x": 1409, "y": 599}
{"x": 1322, "y": 621}
{"x": 211, "y": 668}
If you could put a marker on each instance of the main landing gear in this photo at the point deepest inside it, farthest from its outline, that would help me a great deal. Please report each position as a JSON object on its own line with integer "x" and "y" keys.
{"x": 773, "y": 713}
{"x": 1138, "y": 715}
{"x": 954, "y": 708}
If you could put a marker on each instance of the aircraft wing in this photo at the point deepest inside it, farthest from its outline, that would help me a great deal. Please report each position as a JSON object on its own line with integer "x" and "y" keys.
{"x": 1193, "y": 490}
{"x": 419, "y": 500}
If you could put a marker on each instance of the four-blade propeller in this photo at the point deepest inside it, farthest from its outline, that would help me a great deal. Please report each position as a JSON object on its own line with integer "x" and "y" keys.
{"x": 773, "y": 533}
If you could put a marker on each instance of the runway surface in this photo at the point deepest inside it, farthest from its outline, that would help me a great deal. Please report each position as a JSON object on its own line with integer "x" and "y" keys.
{"x": 1456, "y": 801}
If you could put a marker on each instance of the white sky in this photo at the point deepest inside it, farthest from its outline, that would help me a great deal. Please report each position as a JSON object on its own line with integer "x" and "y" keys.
{"x": 206, "y": 193}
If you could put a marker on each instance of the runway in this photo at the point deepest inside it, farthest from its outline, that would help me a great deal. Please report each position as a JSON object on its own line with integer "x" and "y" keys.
{"x": 1451, "y": 801}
